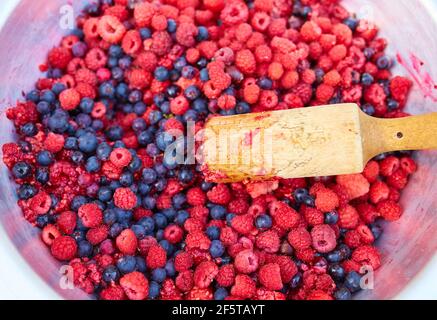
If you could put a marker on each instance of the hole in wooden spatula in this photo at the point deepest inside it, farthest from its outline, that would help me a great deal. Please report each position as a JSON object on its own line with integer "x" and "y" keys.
{"x": 399, "y": 135}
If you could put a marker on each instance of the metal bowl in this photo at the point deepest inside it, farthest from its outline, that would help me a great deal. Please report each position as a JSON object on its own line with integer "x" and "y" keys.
{"x": 33, "y": 27}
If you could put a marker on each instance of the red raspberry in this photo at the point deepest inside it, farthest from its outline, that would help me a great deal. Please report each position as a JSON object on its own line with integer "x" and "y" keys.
{"x": 389, "y": 165}
{"x": 243, "y": 224}
{"x": 309, "y": 76}
{"x": 352, "y": 239}
{"x": 375, "y": 95}
{"x": 304, "y": 92}
{"x": 143, "y": 14}
{"x": 118, "y": 11}
{"x": 260, "y": 21}
{"x": 246, "y": 261}
{"x": 268, "y": 99}
{"x": 91, "y": 215}
{"x": 205, "y": 273}
{"x": 112, "y": 293}
{"x": 226, "y": 102}
{"x": 219, "y": 194}
{"x": 371, "y": 171}
{"x": 225, "y": 276}
{"x": 169, "y": 291}
{"x": 245, "y": 61}
{"x": 66, "y": 222}
{"x": 251, "y": 93}
{"x": 156, "y": 257}
{"x": 323, "y": 238}
{"x": 326, "y": 200}
{"x": 367, "y": 255}
{"x": 146, "y": 60}
{"x": 111, "y": 29}
{"x": 228, "y": 236}
{"x": 132, "y": 42}
{"x": 125, "y": 198}
{"x": 264, "y": 5}
{"x": 64, "y": 248}
{"x": 348, "y": 217}
{"x": 306, "y": 255}
{"x": 97, "y": 235}
{"x": 270, "y": 276}
{"x": 283, "y": 45}
{"x": 139, "y": 79}
{"x": 389, "y": 210}
{"x": 184, "y": 281}
{"x": 399, "y": 88}
{"x": 268, "y": 241}
{"x": 408, "y": 165}
{"x": 324, "y": 93}
{"x": 284, "y": 216}
{"x": 398, "y": 179}
{"x": 59, "y": 57}
{"x": 159, "y": 22}
{"x": 54, "y": 142}
{"x": 367, "y": 212}
{"x": 196, "y": 197}
{"x": 310, "y": 31}
{"x": 234, "y": 13}
{"x": 179, "y": 105}
{"x": 127, "y": 242}
{"x": 120, "y": 157}
{"x": 161, "y": 43}
{"x": 366, "y": 235}
{"x": 173, "y": 234}
{"x": 343, "y": 33}
{"x": 183, "y": 261}
{"x": 135, "y": 285}
{"x": 378, "y": 191}
{"x": 49, "y": 233}
{"x": 96, "y": 59}
{"x": 186, "y": 34}
{"x": 338, "y": 53}
{"x": 299, "y": 238}
{"x": 319, "y": 295}
{"x": 287, "y": 266}
{"x": 200, "y": 294}
{"x": 197, "y": 239}
{"x": 354, "y": 184}
{"x": 244, "y": 287}
{"x": 69, "y": 99}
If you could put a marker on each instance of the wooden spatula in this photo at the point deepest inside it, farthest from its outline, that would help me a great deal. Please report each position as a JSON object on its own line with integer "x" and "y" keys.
{"x": 307, "y": 142}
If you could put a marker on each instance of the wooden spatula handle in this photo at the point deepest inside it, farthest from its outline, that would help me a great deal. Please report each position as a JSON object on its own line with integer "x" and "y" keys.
{"x": 409, "y": 133}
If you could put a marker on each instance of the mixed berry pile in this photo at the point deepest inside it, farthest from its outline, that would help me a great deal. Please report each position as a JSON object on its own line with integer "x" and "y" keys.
{"x": 134, "y": 224}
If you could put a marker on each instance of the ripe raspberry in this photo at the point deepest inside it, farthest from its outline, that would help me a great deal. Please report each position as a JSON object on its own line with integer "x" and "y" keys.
{"x": 389, "y": 165}
{"x": 283, "y": 45}
{"x": 326, "y": 200}
{"x": 186, "y": 34}
{"x": 135, "y": 285}
{"x": 366, "y": 235}
{"x": 245, "y": 61}
{"x": 299, "y": 238}
{"x": 200, "y": 294}
{"x": 378, "y": 191}
{"x": 184, "y": 281}
{"x": 246, "y": 261}
{"x": 243, "y": 32}
{"x": 91, "y": 215}
{"x": 338, "y": 53}
{"x": 226, "y": 102}
{"x": 111, "y": 29}
{"x": 112, "y": 293}
{"x": 97, "y": 235}
{"x": 371, "y": 171}
{"x": 225, "y": 276}
{"x": 408, "y": 165}
{"x": 310, "y": 31}
{"x": 143, "y": 14}
{"x": 59, "y": 57}
{"x": 243, "y": 224}
{"x": 183, "y": 261}
{"x": 197, "y": 240}
{"x": 270, "y": 276}
{"x": 354, "y": 184}
{"x": 367, "y": 212}
{"x": 64, "y": 248}
{"x": 228, "y": 236}
{"x": 205, "y": 273}
{"x": 118, "y": 11}
{"x": 173, "y": 234}
{"x": 95, "y": 59}
{"x": 389, "y": 210}
{"x": 244, "y": 287}
{"x": 343, "y": 33}
{"x": 251, "y": 93}
{"x": 304, "y": 92}
{"x": 132, "y": 42}
{"x": 399, "y": 88}
{"x": 125, "y": 198}
{"x": 139, "y": 79}
{"x": 268, "y": 99}
{"x": 66, "y": 222}
{"x": 161, "y": 43}
{"x": 287, "y": 266}
{"x": 324, "y": 93}
{"x": 268, "y": 241}
{"x": 179, "y": 105}
{"x": 260, "y": 21}
{"x": 156, "y": 257}
{"x": 367, "y": 255}
{"x": 234, "y": 13}
{"x": 348, "y": 217}
{"x": 159, "y": 22}
{"x": 398, "y": 179}
{"x": 284, "y": 216}
{"x": 323, "y": 238}
{"x": 264, "y": 5}
{"x": 54, "y": 142}
{"x": 127, "y": 242}
{"x": 219, "y": 194}
{"x": 69, "y": 99}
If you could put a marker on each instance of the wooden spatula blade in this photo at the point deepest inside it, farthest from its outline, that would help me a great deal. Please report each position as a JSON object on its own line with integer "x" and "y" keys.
{"x": 307, "y": 142}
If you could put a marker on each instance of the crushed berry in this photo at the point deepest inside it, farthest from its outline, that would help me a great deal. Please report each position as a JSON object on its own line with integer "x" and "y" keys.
{"x": 93, "y": 174}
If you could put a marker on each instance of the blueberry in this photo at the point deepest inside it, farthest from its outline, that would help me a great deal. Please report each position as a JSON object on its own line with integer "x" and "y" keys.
{"x": 181, "y": 217}
{"x": 376, "y": 230}
{"x": 368, "y": 53}
{"x": 109, "y": 216}
{"x": 179, "y": 200}
{"x": 107, "y": 90}
{"x": 84, "y": 249}
{"x": 141, "y": 264}
{"x": 202, "y": 33}
{"x": 192, "y": 92}
{"x": 392, "y": 104}
{"x": 22, "y": 170}
{"x": 88, "y": 143}
{"x": 164, "y": 140}
{"x": 110, "y": 274}
{"x": 48, "y": 96}
{"x": 242, "y": 108}
{"x": 145, "y": 33}
{"x": 155, "y": 116}
{"x": 42, "y": 220}
{"x": 29, "y": 129}
{"x": 92, "y": 164}
{"x": 331, "y": 217}
{"x": 44, "y": 158}
{"x": 149, "y": 202}
{"x": 104, "y": 194}
{"x": 342, "y": 294}
{"x": 300, "y": 194}
{"x": 367, "y": 79}
{"x": 384, "y": 62}
{"x": 344, "y": 251}
{"x": 308, "y": 201}
{"x": 170, "y": 268}
{"x": 188, "y": 72}
{"x": 265, "y": 83}
{"x": 33, "y": 96}
{"x": 135, "y": 96}
{"x": 263, "y": 222}
{"x": 334, "y": 256}
{"x": 123, "y": 215}
{"x": 352, "y": 23}
{"x": 186, "y": 175}
{"x": 58, "y": 122}
{"x": 77, "y": 202}
{"x": 148, "y": 223}
{"x": 296, "y": 280}
{"x": 77, "y": 157}
{"x": 42, "y": 175}
{"x": 206, "y": 186}
{"x": 126, "y": 264}
{"x": 160, "y": 220}
{"x": 368, "y": 109}
{"x": 229, "y": 218}
{"x": 216, "y": 249}
{"x": 336, "y": 271}
{"x": 158, "y": 275}
{"x": 218, "y": 212}
{"x": 149, "y": 175}
{"x": 103, "y": 151}
{"x": 171, "y": 26}
{"x": 43, "y": 107}
{"x": 115, "y": 230}
{"x": 352, "y": 281}
{"x": 213, "y": 232}
{"x": 71, "y": 143}
{"x": 154, "y": 290}
{"x": 204, "y": 75}
{"x": 161, "y": 74}
{"x": 26, "y": 191}
{"x": 220, "y": 294}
